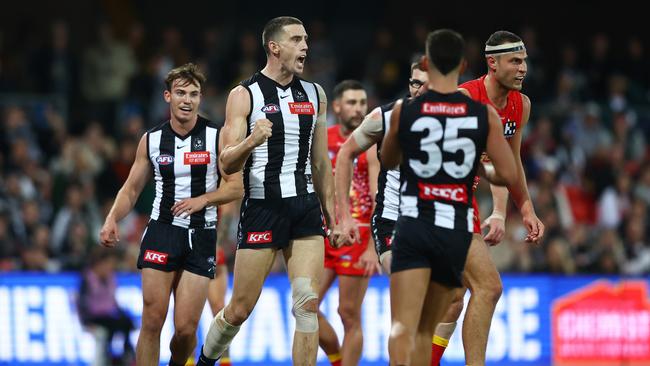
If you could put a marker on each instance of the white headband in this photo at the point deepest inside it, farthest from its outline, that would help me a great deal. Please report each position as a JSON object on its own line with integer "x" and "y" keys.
{"x": 504, "y": 48}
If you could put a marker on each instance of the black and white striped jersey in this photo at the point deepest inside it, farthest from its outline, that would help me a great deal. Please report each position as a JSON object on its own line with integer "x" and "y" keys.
{"x": 281, "y": 166}
{"x": 442, "y": 137}
{"x": 184, "y": 167}
{"x": 387, "y": 198}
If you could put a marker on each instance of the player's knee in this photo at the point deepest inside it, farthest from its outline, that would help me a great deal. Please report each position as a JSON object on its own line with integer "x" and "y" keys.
{"x": 456, "y": 306}
{"x": 349, "y": 316}
{"x": 153, "y": 318}
{"x": 237, "y": 313}
{"x": 185, "y": 331}
{"x": 185, "y": 328}
{"x": 305, "y": 305}
{"x": 490, "y": 291}
{"x": 400, "y": 333}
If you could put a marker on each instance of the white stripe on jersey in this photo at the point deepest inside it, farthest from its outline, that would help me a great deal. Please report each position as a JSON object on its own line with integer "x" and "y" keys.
{"x": 182, "y": 182}
{"x": 470, "y": 219}
{"x": 212, "y": 173}
{"x": 445, "y": 215}
{"x": 154, "y": 150}
{"x": 259, "y": 155}
{"x": 409, "y": 206}
{"x": 291, "y": 138}
{"x": 391, "y": 189}
{"x": 312, "y": 94}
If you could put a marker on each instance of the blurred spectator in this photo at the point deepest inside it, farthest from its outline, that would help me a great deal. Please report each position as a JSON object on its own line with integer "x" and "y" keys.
{"x": 55, "y": 65}
{"x": 77, "y": 208}
{"x": 637, "y": 248}
{"x": 108, "y": 66}
{"x": 98, "y": 305}
{"x": 8, "y": 250}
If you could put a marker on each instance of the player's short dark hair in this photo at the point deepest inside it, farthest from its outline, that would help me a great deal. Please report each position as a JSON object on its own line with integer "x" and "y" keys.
{"x": 189, "y": 72}
{"x": 416, "y": 63}
{"x": 273, "y": 28}
{"x": 345, "y": 85}
{"x": 445, "y": 49}
{"x": 501, "y": 37}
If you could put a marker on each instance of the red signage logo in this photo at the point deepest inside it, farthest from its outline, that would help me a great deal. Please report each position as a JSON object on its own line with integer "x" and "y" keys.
{"x": 260, "y": 237}
{"x": 155, "y": 257}
{"x": 447, "y": 192}
{"x": 449, "y": 109}
{"x": 197, "y": 158}
{"x": 603, "y": 324}
{"x": 301, "y": 108}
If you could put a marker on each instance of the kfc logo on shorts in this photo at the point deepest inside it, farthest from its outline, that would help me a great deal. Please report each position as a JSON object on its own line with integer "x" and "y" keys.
{"x": 447, "y": 192}
{"x": 271, "y": 108}
{"x": 164, "y": 159}
{"x": 389, "y": 241}
{"x": 259, "y": 237}
{"x": 155, "y": 257}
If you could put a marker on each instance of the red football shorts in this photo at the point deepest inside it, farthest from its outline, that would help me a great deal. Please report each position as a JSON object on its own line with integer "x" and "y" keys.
{"x": 344, "y": 260}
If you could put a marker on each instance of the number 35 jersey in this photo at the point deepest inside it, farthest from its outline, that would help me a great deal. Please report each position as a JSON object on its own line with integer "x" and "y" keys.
{"x": 442, "y": 137}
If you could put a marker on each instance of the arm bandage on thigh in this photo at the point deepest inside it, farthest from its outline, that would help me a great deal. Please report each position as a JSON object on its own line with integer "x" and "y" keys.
{"x": 301, "y": 291}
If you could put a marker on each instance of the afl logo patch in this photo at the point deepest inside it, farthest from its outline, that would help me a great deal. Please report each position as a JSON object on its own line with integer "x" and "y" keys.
{"x": 271, "y": 108}
{"x": 164, "y": 159}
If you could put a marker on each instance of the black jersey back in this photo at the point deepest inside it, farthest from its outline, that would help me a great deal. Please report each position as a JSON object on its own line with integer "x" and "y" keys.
{"x": 442, "y": 137}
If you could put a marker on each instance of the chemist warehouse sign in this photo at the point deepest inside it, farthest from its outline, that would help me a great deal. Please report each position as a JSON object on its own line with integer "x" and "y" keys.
{"x": 539, "y": 321}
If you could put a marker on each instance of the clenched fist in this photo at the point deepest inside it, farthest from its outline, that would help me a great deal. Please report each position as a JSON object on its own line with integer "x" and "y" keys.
{"x": 261, "y": 132}
{"x": 109, "y": 235}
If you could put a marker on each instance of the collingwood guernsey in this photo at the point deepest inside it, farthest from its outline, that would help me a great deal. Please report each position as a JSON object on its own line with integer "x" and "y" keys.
{"x": 184, "y": 167}
{"x": 281, "y": 166}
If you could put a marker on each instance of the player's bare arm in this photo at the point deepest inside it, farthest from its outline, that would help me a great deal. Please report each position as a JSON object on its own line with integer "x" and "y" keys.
{"x": 391, "y": 152}
{"x": 522, "y": 199}
{"x": 128, "y": 195}
{"x": 361, "y": 139}
{"x": 369, "y": 259}
{"x": 235, "y": 147}
{"x": 230, "y": 189}
{"x": 504, "y": 171}
{"x": 321, "y": 164}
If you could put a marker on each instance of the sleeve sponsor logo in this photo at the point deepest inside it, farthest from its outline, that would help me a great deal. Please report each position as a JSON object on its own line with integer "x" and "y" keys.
{"x": 155, "y": 257}
{"x": 196, "y": 158}
{"x": 603, "y": 323}
{"x": 301, "y": 108}
{"x": 447, "y": 192}
{"x": 509, "y": 129}
{"x": 165, "y": 159}
{"x": 449, "y": 109}
{"x": 260, "y": 237}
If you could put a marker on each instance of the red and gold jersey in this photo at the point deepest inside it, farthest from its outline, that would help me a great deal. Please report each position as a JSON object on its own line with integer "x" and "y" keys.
{"x": 511, "y": 115}
{"x": 360, "y": 199}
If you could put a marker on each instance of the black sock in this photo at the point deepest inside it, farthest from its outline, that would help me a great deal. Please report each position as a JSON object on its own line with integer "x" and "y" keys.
{"x": 205, "y": 361}
{"x": 172, "y": 363}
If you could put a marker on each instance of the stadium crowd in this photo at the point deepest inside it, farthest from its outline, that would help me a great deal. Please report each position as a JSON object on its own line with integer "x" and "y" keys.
{"x": 71, "y": 116}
